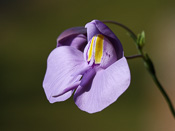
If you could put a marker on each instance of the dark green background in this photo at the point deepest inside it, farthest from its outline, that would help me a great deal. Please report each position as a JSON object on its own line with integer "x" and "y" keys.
{"x": 28, "y": 32}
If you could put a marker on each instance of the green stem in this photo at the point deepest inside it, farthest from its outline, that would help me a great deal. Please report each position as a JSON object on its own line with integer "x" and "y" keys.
{"x": 164, "y": 94}
{"x": 123, "y": 26}
{"x": 148, "y": 64}
{"x": 133, "y": 56}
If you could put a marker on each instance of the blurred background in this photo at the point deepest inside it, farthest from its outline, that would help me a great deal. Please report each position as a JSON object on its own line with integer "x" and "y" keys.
{"x": 28, "y": 32}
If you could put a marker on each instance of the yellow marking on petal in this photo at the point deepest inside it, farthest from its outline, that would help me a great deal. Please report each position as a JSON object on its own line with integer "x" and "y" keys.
{"x": 99, "y": 49}
{"x": 91, "y": 49}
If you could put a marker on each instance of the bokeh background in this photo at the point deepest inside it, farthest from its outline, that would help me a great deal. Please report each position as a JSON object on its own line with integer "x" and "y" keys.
{"x": 28, "y": 32}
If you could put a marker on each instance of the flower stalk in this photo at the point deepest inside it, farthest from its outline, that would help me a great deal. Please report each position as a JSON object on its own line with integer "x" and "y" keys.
{"x": 133, "y": 57}
{"x": 140, "y": 41}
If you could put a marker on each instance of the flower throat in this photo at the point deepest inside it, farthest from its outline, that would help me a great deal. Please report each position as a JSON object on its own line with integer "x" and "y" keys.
{"x": 95, "y": 50}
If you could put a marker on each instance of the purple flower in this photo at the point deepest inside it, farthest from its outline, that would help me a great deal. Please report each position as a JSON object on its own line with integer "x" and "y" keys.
{"x": 99, "y": 75}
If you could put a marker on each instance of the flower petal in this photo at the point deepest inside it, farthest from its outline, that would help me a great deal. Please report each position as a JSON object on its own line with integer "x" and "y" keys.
{"x": 71, "y": 31}
{"x": 61, "y": 64}
{"x": 97, "y": 27}
{"x": 75, "y": 37}
{"x": 105, "y": 88}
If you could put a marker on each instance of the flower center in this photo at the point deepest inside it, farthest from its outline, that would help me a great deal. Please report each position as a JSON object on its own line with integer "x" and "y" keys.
{"x": 95, "y": 50}
{"x": 99, "y": 52}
